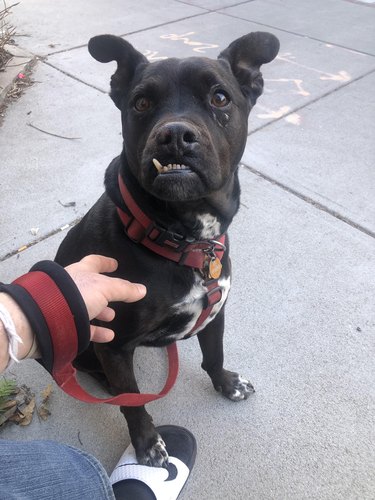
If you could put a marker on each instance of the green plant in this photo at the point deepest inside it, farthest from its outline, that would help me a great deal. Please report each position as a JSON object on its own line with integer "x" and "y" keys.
{"x": 7, "y": 388}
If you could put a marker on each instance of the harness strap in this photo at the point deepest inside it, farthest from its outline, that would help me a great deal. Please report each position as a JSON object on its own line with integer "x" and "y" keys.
{"x": 173, "y": 246}
{"x": 213, "y": 296}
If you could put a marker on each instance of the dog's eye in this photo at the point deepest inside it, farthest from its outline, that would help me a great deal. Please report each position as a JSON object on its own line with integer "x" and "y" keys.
{"x": 220, "y": 99}
{"x": 142, "y": 104}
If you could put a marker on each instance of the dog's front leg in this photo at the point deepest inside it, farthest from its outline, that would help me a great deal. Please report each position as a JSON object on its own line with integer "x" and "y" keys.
{"x": 230, "y": 384}
{"x": 118, "y": 368}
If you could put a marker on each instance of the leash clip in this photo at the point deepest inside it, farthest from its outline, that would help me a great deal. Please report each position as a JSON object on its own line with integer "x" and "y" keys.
{"x": 213, "y": 248}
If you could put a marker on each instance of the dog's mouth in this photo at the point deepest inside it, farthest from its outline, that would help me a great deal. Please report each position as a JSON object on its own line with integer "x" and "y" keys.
{"x": 170, "y": 168}
{"x": 174, "y": 180}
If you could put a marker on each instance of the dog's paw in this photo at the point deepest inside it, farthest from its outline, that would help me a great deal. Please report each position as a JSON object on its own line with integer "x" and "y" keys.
{"x": 233, "y": 386}
{"x": 154, "y": 454}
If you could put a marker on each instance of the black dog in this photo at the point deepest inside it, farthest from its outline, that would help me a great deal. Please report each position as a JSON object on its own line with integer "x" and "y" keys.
{"x": 170, "y": 197}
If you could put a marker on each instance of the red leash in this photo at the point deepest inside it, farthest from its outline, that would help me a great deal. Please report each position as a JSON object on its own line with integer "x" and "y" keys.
{"x": 67, "y": 381}
{"x": 48, "y": 301}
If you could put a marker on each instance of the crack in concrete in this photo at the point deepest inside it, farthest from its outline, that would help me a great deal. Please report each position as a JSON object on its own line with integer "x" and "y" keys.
{"x": 310, "y": 201}
{"x": 312, "y": 101}
{"x": 39, "y": 240}
{"x": 204, "y": 12}
{"x": 296, "y": 34}
{"x": 218, "y": 9}
{"x": 69, "y": 75}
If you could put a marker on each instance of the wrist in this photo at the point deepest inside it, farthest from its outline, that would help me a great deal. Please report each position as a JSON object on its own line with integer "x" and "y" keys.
{"x": 21, "y": 324}
{"x": 4, "y": 349}
{"x": 47, "y": 302}
{"x": 17, "y": 340}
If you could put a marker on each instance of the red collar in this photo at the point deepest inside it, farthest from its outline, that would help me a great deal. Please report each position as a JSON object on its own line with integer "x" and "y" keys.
{"x": 204, "y": 255}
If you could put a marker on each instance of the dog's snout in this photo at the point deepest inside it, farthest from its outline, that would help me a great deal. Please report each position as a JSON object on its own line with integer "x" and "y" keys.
{"x": 178, "y": 135}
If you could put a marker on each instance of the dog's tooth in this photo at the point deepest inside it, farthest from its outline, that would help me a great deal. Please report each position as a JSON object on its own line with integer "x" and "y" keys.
{"x": 158, "y": 165}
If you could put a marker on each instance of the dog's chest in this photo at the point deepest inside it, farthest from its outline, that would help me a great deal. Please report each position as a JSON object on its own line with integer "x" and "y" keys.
{"x": 210, "y": 226}
{"x": 192, "y": 305}
{"x": 178, "y": 314}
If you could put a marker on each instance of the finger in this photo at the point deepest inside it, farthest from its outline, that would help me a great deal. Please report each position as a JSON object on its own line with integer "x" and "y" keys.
{"x": 117, "y": 289}
{"x": 101, "y": 334}
{"x": 107, "y": 314}
{"x": 99, "y": 263}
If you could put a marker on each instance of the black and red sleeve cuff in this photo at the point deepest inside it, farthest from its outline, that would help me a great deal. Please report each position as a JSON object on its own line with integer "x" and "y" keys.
{"x": 56, "y": 312}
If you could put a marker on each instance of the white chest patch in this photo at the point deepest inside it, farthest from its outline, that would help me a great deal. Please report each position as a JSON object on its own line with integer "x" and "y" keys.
{"x": 210, "y": 226}
{"x": 192, "y": 303}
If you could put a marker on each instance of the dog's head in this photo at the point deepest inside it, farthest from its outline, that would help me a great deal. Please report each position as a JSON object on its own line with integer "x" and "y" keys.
{"x": 184, "y": 121}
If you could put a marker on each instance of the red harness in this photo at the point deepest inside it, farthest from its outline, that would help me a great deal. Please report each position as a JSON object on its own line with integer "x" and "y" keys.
{"x": 203, "y": 255}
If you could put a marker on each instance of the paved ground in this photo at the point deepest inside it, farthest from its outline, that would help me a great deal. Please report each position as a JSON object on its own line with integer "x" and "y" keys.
{"x": 301, "y": 316}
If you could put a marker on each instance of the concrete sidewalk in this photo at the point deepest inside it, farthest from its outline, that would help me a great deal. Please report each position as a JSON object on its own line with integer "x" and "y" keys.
{"x": 301, "y": 316}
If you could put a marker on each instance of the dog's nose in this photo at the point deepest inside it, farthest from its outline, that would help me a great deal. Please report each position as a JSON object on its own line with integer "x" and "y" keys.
{"x": 178, "y": 135}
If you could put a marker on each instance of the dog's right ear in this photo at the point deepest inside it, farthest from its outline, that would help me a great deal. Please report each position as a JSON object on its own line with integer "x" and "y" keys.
{"x": 106, "y": 48}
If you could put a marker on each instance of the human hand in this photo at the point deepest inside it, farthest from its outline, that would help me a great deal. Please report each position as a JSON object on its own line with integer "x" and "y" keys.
{"x": 98, "y": 290}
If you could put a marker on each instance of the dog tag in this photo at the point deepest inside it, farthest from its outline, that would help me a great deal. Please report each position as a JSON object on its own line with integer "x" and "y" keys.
{"x": 214, "y": 268}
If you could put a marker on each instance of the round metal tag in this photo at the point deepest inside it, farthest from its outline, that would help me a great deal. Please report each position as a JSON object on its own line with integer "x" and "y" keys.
{"x": 214, "y": 268}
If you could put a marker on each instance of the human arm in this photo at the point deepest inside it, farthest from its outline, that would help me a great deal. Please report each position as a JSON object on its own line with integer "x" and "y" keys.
{"x": 96, "y": 290}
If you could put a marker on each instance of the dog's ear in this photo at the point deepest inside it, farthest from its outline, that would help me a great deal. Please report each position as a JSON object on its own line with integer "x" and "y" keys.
{"x": 246, "y": 55}
{"x": 106, "y": 48}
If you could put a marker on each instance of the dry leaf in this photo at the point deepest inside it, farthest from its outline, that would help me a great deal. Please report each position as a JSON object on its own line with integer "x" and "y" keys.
{"x": 46, "y": 393}
{"x": 28, "y": 412}
{"x": 7, "y": 415}
{"x": 43, "y": 412}
{"x": 8, "y": 404}
{"x": 16, "y": 417}
{"x": 19, "y": 410}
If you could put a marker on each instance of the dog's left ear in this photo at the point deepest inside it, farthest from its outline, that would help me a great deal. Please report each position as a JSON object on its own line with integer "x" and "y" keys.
{"x": 246, "y": 55}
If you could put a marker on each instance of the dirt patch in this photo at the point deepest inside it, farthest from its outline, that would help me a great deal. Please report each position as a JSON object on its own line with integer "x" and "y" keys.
{"x": 7, "y": 32}
{"x": 14, "y": 84}
{"x": 21, "y": 81}
{"x": 16, "y": 65}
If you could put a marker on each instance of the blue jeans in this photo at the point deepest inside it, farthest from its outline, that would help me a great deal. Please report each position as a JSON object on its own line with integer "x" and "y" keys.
{"x": 45, "y": 470}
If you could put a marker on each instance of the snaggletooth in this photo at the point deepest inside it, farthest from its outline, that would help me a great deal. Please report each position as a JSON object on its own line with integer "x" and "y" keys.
{"x": 166, "y": 168}
{"x": 158, "y": 165}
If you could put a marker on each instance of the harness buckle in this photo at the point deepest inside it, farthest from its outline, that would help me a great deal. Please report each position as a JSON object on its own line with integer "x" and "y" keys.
{"x": 162, "y": 236}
